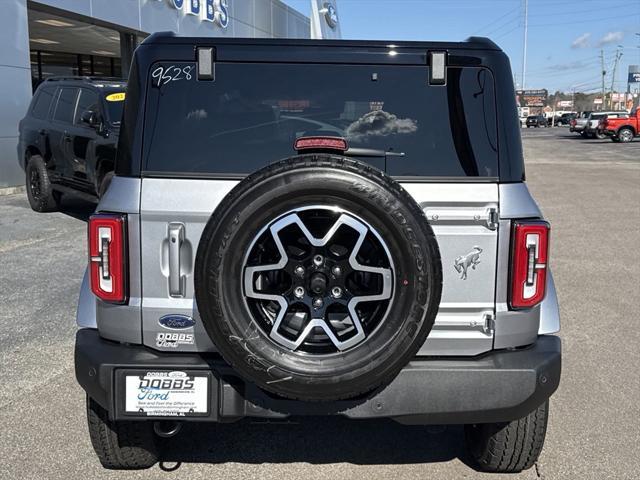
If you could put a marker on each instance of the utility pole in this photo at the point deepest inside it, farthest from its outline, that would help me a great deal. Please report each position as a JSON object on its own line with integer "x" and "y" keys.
{"x": 604, "y": 72}
{"x": 613, "y": 76}
{"x": 524, "y": 49}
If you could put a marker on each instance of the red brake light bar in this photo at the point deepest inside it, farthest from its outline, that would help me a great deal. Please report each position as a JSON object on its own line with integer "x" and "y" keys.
{"x": 107, "y": 257}
{"x": 529, "y": 263}
{"x": 321, "y": 143}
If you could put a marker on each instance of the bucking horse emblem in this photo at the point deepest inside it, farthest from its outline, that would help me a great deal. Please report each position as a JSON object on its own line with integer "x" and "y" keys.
{"x": 463, "y": 262}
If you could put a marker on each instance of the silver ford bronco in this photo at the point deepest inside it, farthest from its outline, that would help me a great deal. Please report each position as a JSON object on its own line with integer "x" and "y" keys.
{"x": 318, "y": 228}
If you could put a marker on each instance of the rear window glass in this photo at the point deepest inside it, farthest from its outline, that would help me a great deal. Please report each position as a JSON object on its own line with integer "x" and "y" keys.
{"x": 42, "y": 103}
{"x": 251, "y": 115}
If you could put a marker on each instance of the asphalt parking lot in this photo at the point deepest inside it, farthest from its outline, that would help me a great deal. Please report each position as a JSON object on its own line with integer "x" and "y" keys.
{"x": 588, "y": 189}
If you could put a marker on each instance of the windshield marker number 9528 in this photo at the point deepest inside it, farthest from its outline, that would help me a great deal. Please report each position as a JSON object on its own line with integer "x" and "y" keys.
{"x": 164, "y": 75}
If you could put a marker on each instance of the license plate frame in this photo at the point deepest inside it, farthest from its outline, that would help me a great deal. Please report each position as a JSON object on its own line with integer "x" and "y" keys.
{"x": 140, "y": 393}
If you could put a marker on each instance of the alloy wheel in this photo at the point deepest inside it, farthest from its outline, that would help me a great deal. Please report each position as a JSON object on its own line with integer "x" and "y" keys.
{"x": 318, "y": 280}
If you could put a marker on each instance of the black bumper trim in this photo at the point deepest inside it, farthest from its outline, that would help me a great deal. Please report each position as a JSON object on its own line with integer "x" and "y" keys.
{"x": 499, "y": 386}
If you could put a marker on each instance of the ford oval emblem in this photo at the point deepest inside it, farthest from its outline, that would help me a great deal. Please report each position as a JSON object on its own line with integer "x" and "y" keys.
{"x": 176, "y": 322}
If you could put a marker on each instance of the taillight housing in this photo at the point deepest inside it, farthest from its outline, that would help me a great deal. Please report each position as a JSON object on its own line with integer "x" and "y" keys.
{"x": 108, "y": 257}
{"x": 529, "y": 263}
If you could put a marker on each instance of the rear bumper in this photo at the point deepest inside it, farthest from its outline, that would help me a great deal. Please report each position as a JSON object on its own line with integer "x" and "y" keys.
{"x": 495, "y": 387}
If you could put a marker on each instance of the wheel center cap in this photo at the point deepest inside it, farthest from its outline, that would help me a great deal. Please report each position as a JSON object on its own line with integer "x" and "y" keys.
{"x": 318, "y": 283}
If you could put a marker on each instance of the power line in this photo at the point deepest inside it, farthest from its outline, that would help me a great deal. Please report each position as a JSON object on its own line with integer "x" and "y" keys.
{"x": 506, "y": 33}
{"x": 617, "y": 17}
{"x": 510, "y": 12}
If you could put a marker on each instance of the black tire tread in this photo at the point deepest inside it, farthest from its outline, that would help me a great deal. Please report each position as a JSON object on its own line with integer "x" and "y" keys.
{"x": 509, "y": 447}
{"x": 49, "y": 201}
{"x": 120, "y": 445}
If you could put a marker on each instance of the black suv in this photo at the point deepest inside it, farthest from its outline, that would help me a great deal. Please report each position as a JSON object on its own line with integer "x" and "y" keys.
{"x": 536, "y": 121}
{"x": 68, "y": 138}
{"x": 566, "y": 118}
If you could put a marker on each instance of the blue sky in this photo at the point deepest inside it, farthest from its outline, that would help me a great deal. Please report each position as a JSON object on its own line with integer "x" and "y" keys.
{"x": 565, "y": 36}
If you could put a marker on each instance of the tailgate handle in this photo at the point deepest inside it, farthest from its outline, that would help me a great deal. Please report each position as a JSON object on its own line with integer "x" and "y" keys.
{"x": 176, "y": 238}
{"x": 487, "y": 216}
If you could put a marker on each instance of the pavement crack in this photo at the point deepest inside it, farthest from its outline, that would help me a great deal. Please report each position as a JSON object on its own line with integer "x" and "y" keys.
{"x": 538, "y": 470}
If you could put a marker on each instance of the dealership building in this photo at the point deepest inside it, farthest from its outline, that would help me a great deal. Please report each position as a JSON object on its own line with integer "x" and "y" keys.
{"x": 43, "y": 38}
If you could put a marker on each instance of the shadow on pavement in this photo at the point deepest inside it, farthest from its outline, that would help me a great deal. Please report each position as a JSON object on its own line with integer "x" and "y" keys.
{"x": 315, "y": 440}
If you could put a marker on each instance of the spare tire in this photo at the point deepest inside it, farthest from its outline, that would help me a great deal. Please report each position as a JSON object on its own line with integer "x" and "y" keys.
{"x": 318, "y": 278}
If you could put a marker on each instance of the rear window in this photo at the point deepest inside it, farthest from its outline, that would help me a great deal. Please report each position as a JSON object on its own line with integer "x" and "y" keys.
{"x": 42, "y": 103}
{"x": 251, "y": 115}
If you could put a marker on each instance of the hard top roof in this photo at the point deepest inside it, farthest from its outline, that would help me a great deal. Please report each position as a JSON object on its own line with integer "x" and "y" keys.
{"x": 170, "y": 38}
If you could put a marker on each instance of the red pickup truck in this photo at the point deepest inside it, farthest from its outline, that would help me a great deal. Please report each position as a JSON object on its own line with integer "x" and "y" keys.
{"x": 622, "y": 129}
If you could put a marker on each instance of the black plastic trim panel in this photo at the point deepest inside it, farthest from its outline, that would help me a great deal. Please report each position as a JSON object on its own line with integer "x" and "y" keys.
{"x": 499, "y": 386}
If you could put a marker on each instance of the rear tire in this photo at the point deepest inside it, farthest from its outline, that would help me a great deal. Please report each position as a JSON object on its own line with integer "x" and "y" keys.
{"x": 123, "y": 445}
{"x": 508, "y": 447}
{"x": 40, "y": 193}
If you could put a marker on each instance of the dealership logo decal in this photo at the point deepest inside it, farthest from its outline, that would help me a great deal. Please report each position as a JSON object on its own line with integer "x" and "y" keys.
{"x": 214, "y": 11}
{"x": 173, "y": 340}
{"x": 463, "y": 262}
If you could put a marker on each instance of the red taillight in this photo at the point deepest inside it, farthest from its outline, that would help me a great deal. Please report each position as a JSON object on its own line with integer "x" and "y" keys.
{"x": 321, "y": 143}
{"x": 529, "y": 258}
{"x": 107, "y": 257}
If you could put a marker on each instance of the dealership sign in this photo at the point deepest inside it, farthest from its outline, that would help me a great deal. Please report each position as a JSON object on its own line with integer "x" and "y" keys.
{"x": 634, "y": 77}
{"x": 330, "y": 14}
{"x": 531, "y": 98}
{"x": 215, "y": 11}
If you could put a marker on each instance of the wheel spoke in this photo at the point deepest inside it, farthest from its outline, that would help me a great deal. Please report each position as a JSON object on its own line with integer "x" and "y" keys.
{"x": 320, "y": 299}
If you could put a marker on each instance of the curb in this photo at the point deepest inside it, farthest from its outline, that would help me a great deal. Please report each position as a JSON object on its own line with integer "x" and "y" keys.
{"x": 12, "y": 190}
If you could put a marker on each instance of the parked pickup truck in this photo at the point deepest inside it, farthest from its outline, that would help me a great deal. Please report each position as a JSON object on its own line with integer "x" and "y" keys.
{"x": 621, "y": 129}
{"x": 579, "y": 123}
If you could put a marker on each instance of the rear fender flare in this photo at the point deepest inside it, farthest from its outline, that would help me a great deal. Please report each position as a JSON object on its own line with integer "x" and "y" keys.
{"x": 86, "y": 312}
